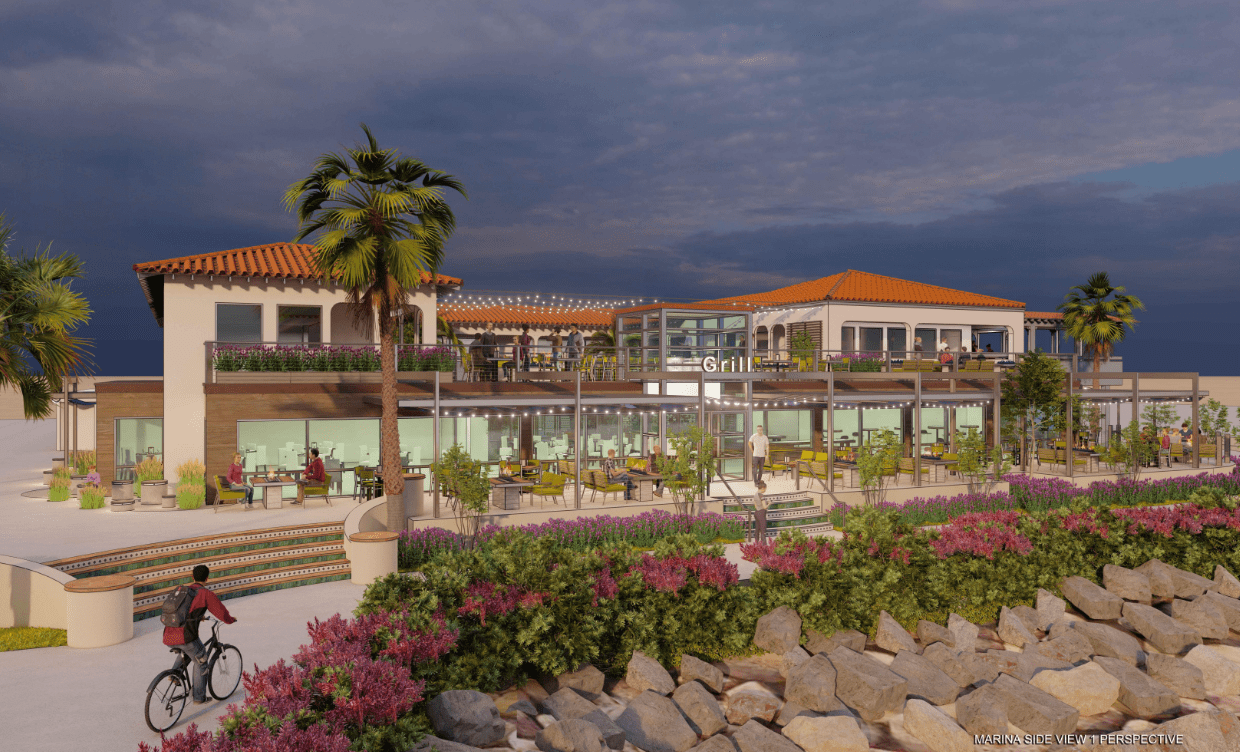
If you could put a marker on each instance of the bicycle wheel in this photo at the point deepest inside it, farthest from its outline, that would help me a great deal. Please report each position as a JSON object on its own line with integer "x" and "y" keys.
{"x": 165, "y": 700}
{"x": 225, "y": 672}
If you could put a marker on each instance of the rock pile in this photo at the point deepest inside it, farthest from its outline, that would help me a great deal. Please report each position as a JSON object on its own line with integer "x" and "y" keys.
{"x": 1152, "y": 651}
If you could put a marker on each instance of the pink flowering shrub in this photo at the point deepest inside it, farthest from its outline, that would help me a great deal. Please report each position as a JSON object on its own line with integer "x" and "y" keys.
{"x": 670, "y": 574}
{"x": 482, "y": 598}
{"x": 789, "y": 555}
{"x": 1165, "y": 521}
{"x": 982, "y": 534}
{"x": 353, "y": 679}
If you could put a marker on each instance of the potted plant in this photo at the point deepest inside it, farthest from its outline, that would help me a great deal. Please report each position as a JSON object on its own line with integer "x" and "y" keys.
{"x": 149, "y": 474}
{"x": 92, "y": 497}
{"x": 191, "y": 484}
{"x": 58, "y": 489}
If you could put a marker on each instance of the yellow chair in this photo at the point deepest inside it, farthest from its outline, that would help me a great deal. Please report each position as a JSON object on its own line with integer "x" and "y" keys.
{"x": 908, "y": 467}
{"x": 597, "y": 481}
{"x": 225, "y": 495}
{"x": 553, "y": 486}
{"x": 364, "y": 483}
{"x": 952, "y": 468}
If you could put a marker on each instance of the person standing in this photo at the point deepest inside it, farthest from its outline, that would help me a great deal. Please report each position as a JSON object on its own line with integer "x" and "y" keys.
{"x": 917, "y": 346}
{"x": 557, "y": 341}
{"x": 492, "y": 352}
{"x": 522, "y": 351}
{"x": 758, "y": 445}
{"x": 576, "y": 343}
{"x": 186, "y": 639}
{"x": 759, "y": 512}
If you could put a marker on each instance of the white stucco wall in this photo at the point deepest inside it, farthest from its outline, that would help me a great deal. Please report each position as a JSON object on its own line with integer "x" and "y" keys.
{"x": 189, "y": 323}
{"x": 835, "y": 315}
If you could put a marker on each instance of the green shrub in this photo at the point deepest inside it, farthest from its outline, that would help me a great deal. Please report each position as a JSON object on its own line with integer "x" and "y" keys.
{"x": 91, "y": 497}
{"x": 58, "y": 489}
{"x": 25, "y": 638}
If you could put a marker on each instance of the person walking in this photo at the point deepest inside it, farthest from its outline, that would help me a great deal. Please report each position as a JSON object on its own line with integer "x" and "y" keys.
{"x": 557, "y": 341}
{"x": 236, "y": 480}
{"x": 576, "y": 344}
{"x": 314, "y": 475}
{"x": 186, "y": 639}
{"x": 759, "y": 512}
{"x": 758, "y": 445}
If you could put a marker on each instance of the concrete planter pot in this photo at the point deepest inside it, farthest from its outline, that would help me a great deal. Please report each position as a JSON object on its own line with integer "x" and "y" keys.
{"x": 75, "y": 485}
{"x": 153, "y": 492}
{"x": 169, "y": 500}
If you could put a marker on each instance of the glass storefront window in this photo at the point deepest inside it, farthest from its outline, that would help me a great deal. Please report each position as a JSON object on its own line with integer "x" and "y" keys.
{"x": 495, "y": 439}
{"x": 299, "y": 325}
{"x": 847, "y": 342}
{"x": 897, "y": 337}
{"x": 235, "y": 322}
{"x": 871, "y": 338}
{"x": 929, "y": 343}
{"x": 265, "y": 445}
{"x": 136, "y": 440}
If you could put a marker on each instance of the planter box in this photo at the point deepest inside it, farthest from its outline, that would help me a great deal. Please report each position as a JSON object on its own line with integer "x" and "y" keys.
{"x": 444, "y": 376}
{"x": 298, "y": 377}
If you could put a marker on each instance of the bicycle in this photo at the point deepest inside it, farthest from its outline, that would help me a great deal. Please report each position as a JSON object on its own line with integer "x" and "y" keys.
{"x": 171, "y": 689}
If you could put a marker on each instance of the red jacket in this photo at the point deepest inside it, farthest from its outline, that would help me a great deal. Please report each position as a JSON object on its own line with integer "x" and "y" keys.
{"x": 204, "y": 600}
{"x": 314, "y": 471}
{"x": 234, "y": 475}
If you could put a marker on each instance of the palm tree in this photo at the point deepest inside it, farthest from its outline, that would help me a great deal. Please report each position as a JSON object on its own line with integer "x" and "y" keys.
{"x": 1098, "y": 316}
{"x": 38, "y": 315}
{"x": 380, "y": 221}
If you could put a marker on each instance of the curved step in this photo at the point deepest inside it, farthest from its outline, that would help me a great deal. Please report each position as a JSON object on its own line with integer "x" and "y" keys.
{"x": 223, "y": 561}
{"x": 251, "y": 583}
{"x": 164, "y": 581}
{"x": 88, "y": 563}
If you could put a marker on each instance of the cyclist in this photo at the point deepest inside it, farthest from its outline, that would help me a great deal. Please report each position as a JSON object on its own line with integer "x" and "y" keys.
{"x": 186, "y": 638}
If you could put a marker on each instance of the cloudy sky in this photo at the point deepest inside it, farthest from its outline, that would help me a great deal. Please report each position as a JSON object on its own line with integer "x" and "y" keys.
{"x": 674, "y": 149}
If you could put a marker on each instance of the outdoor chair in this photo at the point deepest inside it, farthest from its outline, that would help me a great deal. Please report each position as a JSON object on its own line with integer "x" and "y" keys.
{"x": 364, "y": 483}
{"x": 225, "y": 495}
{"x": 1208, "y": 452}
{"x": 773, "y": 467}
{"x": 636, "y": 464}
{"x": 552, "y": 486}
{"x": 840, "y": 365}
{"x": 597, "y": 481}
{"x": 319, "y": 492}
{"x": 953, "y": 467}
{"x": 908, "y": 467}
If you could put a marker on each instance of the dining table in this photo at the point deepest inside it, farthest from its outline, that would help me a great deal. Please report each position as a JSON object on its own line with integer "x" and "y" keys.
{"x": 273, "y": 489}
{"x": 506, "y": 491}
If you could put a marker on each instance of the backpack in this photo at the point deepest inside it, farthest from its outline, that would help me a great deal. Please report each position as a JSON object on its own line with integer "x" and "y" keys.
{"x": 175, "y": 610}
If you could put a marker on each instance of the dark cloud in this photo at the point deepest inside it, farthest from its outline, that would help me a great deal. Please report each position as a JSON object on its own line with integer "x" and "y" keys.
{"x": 682, "y": 148}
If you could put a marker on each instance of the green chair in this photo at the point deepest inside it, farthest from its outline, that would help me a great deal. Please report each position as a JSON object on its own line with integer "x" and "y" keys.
{"x": 225, "y": 495}
{"x": 908, "y": 467}
{"x": 318, "y": 492}
{"x": 552, "y": 485}
{"x": 599, "y": 482}
{"x": 773, "y": 467}
{"x": 364, "y": 484}
{"x": 954, "y": 465}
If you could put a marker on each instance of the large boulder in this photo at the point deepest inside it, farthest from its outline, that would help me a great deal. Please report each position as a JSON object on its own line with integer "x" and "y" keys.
{"x": 567, "y": 703}
{"x": 1200, "y": 614}
{"x": 1071, "y": 646}
{"x": 865, "y": 685}
{"x": 653, "y": 723}
{"x": 1091, "y": 600}
{"x": 1225, "y": 583}
{"x": 754, "y": 737}
{"x": 1088, "y": 688}
{"x": 613, "y": 735}
{"x": 1027, "y": 615}
{"x": 934, "y": 728}
{"x": 573, "y": 735}
{"x": 812, "y": 685}
{"x": 717, "y": 743}
{"x": 827, "y": 734}
{"x": 964, "y": 633}
{"x": 1222, "y": 677}
{"x": 779, "y": 631}
{"x": 1013, "y": 630}
{"x": 1031, "y": 663}
{"x": 929, "y": 633}
{"x": 951, "y": 662}
{"x": 1144, "y": 697}
{"x": 435, "y": 744}
{"x": 695, "y": 669}
{"x": 892, "y": 637}
{"x": 791, "y": 660}
{"x": 587, "y": 680}
{"x": 700, "y": 707}
{"x": 1182, "y": 677}
{"x": 1164, "y": 633}
{"x": 983, "y": 712}
{"x": 1050, "y": 608}
{"x": 1228, "y": 607}
{"x": 925, "y": 680}
{"x": 645, "y": 673}
{"x": 1127, "y": 584}
{"x": 1186, "y": 584}
{"x": 816, "y": 642}
{"x": 1208, "y": 731}
{"x": 1111, "y": 642}
{"x": 1034, "y": 711}
{"x": 466, "y": 716}
{"x": 751, "y": 700}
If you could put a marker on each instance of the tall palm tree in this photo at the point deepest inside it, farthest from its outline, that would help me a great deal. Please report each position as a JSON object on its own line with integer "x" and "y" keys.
{"x": 379, "y": 221}
{"x": 1098, "y": 316}
{"x": 38, "y": 315}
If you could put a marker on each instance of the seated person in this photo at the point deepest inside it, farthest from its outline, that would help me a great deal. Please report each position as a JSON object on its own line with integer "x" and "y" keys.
{"x": 314, "y": 475}
{"x": 236, "y": 481}
{"x": 617, "y": 474}
{"x": 93, "y": 476}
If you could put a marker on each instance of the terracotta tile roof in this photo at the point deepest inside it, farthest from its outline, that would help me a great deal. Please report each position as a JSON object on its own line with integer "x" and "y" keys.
{"x": 1043, "y": 314}
{"x": 726, "y": 304}
{"x": 865, "y": 287}
{"x": 528, "y": 314}
{"x": 281, "y": 260}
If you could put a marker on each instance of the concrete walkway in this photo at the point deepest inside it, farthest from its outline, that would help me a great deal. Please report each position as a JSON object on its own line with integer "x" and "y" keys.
{"x": 42, "y": 531}
{"x": 68, "y": 699}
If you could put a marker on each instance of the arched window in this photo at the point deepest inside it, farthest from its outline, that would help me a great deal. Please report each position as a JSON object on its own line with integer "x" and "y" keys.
{"x": 761, "y": 341}
{"x": 411, "y": 327}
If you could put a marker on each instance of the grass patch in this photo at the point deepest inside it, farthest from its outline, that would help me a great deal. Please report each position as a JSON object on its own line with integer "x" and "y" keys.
{"x": 25, "y": 638}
